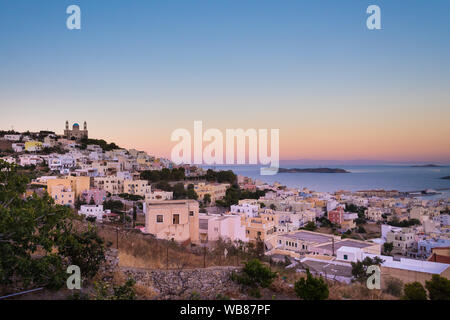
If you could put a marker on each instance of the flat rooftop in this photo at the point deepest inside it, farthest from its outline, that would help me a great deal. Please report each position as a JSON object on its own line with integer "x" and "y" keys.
{"x": 328, "y": 268}
{"x": 346, "y": 243}
{"x": 309, "y": 236}
{"x": 169, "y": 202}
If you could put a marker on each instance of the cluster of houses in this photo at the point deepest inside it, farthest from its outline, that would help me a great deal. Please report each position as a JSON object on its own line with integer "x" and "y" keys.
{"x": 278, "y": 218}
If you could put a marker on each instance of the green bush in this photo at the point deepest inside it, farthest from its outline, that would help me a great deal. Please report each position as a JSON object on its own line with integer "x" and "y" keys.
{"x": 311, "y": 288}
{"x": 414, "y": 291}
{"x": 393, "y": 287}
{"x": 255, "y": 274}
{"x": 438, "y": 288}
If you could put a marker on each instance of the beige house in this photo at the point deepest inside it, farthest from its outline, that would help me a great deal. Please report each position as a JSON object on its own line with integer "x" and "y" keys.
{"x": 374, "y": 214}
{"x": 262, "y": 227}
{"x": 173, "y": 219}
{"x": 110, "y": 184}
{"x": 76, "y": 184}
{"x": 403, "y": 240}
{"x": 216, "y": 190}
{"x": 136, "y": 187}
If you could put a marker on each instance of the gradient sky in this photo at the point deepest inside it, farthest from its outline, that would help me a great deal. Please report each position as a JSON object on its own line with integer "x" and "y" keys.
{"x": 137, "y": 70}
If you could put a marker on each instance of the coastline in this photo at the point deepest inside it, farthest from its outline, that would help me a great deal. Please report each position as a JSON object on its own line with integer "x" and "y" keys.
{"x": 403, "y": 178}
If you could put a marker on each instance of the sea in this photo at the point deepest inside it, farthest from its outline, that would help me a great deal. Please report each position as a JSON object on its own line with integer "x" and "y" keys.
{"x": 361, "y": 177}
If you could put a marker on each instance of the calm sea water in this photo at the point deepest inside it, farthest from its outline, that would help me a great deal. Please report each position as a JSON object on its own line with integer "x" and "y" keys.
{"x": 388, "y": 177}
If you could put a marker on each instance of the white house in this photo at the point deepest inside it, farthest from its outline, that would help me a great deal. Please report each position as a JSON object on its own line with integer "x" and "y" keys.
{"x": 93, "y": 211}
{"x": 29, "y": 160}
{"x": 250, "y": 210}
{"x": 225, "y": 227}
{"x": 18, "y": 147}
{"x": 10, "y": 160}
{"x": 12, "y": 137}
{"x": 61, "y": 162}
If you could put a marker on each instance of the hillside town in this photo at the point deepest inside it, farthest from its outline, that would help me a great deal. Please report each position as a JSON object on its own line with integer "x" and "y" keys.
{"x": 324, "y": 233}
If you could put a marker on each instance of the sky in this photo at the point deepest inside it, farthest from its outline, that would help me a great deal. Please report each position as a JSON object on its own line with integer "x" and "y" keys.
{"x": 138, "y": 70}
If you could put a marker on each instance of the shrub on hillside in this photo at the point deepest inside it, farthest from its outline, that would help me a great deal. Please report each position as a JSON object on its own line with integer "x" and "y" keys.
{"x": 414, "y": 291}
{"x": 311, "y": 288}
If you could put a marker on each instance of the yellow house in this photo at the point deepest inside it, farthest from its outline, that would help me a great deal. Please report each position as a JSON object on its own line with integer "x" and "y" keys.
{"x": 262, "y": 227}
{"x": 136, "y": 187}
{"x": 76, "y": 184}
{"x": 173, "y": 219}
{"x": 63, "y": 195}
{"x": 32, "y": 146}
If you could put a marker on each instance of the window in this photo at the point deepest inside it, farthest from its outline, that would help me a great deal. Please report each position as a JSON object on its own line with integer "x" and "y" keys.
{"x": 176, "y": 219}
{"x": 159, "y": 218}
{"x": 345, "y": 257}
{"x": 191, "y": 213}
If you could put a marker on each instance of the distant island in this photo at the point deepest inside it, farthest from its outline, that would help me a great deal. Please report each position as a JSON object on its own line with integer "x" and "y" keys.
{"x": 426, "y": 166}
{"x": 446, "y": 178}
{"x": 312, "y": 170}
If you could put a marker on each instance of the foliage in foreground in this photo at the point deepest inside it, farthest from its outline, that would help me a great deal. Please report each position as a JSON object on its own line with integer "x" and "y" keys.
{"x": 37, "y": 239}
{"x": 104, "y": 291}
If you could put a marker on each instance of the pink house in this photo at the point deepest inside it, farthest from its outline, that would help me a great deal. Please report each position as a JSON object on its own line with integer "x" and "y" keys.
{"x": 99, "y": 196}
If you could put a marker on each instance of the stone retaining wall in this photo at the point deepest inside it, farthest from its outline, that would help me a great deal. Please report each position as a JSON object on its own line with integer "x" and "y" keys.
{"x": 186, "y": 284}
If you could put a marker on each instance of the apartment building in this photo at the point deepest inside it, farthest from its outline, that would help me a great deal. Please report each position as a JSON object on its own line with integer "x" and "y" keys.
{"x": 173, "y": 219}
{"x": 262, "y": 227}
{"x": 374, "y": 214}
{"x": 403, "y": 240}
{"x": 136, "y": 187}
{"x": 110, "y": 184}
{"x": 249, "y": 209}
{"x": 216, "y": 190}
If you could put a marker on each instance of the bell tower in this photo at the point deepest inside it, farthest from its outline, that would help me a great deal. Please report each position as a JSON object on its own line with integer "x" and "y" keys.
{"x": 85, "y": 126}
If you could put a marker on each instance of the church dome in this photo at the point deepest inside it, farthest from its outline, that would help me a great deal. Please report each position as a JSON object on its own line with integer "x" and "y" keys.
{"x": 76, "y": 126}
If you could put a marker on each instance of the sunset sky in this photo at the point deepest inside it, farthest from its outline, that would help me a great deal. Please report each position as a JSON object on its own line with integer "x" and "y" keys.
{"x": 137, "y": 70}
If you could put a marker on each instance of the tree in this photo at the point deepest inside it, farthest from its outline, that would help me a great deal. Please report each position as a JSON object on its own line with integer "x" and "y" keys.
{"x": 85, "y": 250}
{"x": 273, "y": 207}
{"x": 207, "y": 198}
{"x": 255, "y": 274}
{"x": 414, "y": 291}
{"x": 311, "y": 288}
{"x": 191, "y": 194}
{"x": 359, "y": 269}
{"x": 113, "y": 205}
{"x": 37, "y": 238}
{"x": 388, "y": 247}
{"x": 310, "y": 226}
{"x": 393, "y": 286}
{"x": 438, "y": 288}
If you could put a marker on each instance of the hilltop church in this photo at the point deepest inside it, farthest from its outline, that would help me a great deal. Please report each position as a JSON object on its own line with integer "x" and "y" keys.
{"x": 76, "y": 133}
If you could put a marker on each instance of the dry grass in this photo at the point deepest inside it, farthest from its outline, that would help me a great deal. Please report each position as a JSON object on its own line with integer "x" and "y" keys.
{"x": 137, "y": 250}
{"x": 355, "y": 291}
